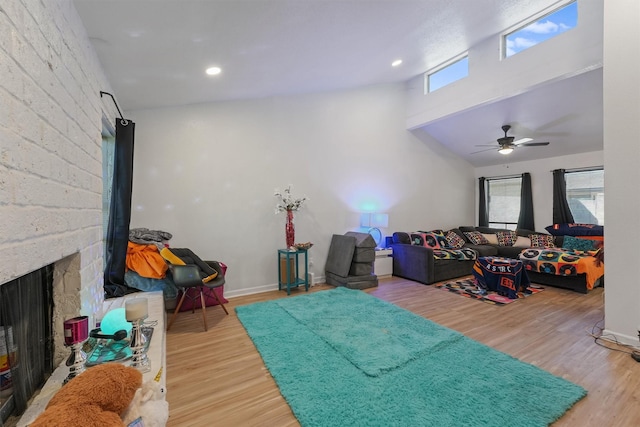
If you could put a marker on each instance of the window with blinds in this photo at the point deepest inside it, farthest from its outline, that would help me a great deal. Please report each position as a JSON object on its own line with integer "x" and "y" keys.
{"x": 503, "y": 201}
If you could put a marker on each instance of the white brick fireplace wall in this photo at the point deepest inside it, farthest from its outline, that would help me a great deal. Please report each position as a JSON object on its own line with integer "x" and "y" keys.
{"x": 50, "y": 153}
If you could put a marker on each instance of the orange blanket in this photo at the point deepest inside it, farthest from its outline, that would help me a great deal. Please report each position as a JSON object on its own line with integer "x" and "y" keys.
{"x": 564, "y": 262}
{"x": 146, "y": 261}
{"x": 592, "y": 268}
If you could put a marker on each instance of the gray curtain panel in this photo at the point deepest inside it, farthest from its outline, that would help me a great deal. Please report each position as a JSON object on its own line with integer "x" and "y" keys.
{"x": 561, "y": 212}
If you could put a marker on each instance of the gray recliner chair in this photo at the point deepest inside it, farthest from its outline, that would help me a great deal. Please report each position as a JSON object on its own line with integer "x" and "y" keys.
{"x": 350, "y": 261}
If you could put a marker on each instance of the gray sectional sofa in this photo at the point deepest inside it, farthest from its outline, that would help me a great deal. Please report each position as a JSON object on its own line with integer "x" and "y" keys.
{"x": 419, "y": 264}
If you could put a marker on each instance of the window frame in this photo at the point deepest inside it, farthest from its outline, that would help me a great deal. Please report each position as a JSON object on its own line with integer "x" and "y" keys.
{"x": 531, "y": 20}
{"x": 600, "y": 169}
{"x": 442, "y": 67}
{"x": 503, "y": 224}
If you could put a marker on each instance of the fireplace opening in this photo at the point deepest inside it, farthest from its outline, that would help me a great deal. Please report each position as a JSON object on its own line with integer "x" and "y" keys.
{"x": 26, "y": 339}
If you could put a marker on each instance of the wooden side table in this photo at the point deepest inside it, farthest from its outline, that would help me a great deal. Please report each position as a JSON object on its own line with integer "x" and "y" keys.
{"x": 289, "y": 269}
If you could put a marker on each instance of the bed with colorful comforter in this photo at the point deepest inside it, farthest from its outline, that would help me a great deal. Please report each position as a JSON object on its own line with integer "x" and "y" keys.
{"x": 574, "y": 269}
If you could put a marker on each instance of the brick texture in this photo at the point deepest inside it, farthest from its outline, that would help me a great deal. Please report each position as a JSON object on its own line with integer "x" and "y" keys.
{"x": 50, "y": 153}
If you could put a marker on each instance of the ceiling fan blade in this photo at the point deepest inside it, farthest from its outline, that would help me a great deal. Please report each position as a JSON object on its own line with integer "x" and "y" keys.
{"x": 522, "y": 141}
{"x": 487, "y": 145}
{"x": 482, "y": 151}
{"x": 534, "y": 144}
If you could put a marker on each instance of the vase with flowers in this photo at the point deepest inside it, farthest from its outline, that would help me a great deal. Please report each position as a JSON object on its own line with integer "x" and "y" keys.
{"x": 287, "y": 203}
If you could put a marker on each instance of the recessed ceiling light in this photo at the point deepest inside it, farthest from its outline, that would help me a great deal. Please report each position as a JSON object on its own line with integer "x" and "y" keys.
{"x": 396, "y": 62}
{"x": 212, "y": 71}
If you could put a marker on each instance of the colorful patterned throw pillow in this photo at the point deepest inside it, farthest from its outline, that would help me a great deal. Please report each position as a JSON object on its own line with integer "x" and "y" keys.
{"x": 541, "y": 241}
{"x": 455, "y": 241}
{"x": 577, "y": 244}
{"x": 506, "y": 238}
{"x": 476, "y": 237}
{"x": 429, "y": 240}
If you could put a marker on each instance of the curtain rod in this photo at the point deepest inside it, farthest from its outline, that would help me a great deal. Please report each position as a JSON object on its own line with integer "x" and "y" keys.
{"x": 122, "y": 120}
{"x": 585, "y": 169}
{"x": 503, "y": 176}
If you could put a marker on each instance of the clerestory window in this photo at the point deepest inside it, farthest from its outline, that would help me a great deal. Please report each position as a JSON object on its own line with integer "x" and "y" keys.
{"x": 543, "y": 28}
{"x": 448, "y": 73}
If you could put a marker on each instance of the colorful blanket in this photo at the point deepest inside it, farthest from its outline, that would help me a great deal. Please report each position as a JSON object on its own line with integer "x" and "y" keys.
{"x": 459, "y": 254}
{"x": 504, "y": 276}
{"x": 564, "y": 262}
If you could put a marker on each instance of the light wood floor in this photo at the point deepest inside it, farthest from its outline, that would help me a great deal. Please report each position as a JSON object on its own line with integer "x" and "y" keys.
{"x": 217, "y": 378}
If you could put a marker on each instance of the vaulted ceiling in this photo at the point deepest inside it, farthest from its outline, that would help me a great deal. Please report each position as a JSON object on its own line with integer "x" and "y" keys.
{"x": 154, "y": 53}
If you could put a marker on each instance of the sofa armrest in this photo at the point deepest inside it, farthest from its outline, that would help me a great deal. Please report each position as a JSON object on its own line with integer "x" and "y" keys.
{"x": 413, "y": 262}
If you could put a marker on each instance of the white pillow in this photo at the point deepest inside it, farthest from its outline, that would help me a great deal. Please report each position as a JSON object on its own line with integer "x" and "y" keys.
{"x": 492, "y": 238}
{"x": 522, "y": 242}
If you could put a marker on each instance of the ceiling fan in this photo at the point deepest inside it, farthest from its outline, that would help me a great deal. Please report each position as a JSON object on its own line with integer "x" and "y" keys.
{"x": 507, "y": 144}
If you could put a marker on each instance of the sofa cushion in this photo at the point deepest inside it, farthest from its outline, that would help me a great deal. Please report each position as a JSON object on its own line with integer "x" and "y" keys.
{"x": 401, "y": 237}
{"x": 352, "y": 282}
{"x": 429, "y": 240}
{"x": 361, "y": 268}
{"x": 340, "y": 255}
{"x": 541, "y": 241}
{"x": 476, "y": 237}
{"x": 483, "y": 250}
{"x": 491, "y": 238}
{"x": 524, "y": 232}
{"x": 506, "y": 238}
{"x": 365, "y": 247}
{"x": 522, "y": 242}
{"x": 464, "y": 228}
{"x": 363, "y": 240}
{"x": 489, "y": 230}
{"x": 454, "y": 240}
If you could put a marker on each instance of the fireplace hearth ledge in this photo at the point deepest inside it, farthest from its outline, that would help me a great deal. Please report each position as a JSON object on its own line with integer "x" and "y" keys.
{"x": 156, "y": 352}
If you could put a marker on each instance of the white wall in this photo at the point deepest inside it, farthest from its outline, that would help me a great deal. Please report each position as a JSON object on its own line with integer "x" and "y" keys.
{"x": 207, "y": 173}
{"x": 50, "y": 143}
{"x": 622, "y": 174}
{"x": 492, "y": 78}
{"x": 541, "y": 180}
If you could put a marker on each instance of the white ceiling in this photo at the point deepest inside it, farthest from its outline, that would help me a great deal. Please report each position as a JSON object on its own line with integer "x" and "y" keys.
{"x": 154, "y": 53}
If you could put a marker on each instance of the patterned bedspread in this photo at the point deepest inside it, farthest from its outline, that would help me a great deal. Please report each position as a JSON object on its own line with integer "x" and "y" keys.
{"x": 563, "y": 262}
{"x": 459, "y": 254}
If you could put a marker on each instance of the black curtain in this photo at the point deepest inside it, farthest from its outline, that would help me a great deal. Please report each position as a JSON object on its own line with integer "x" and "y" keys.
{"x": 119, "y": 211}
{"x": 561, "y": 212}
{"x": 525, "y": 220}
{"x": 483, "y": 213}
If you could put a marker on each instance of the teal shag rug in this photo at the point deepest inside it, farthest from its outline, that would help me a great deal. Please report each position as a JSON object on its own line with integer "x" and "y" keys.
{"x": 344, "y": 358}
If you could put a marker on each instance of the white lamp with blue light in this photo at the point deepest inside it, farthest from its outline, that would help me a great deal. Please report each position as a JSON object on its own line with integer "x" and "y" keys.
{"x": 374, "y": 220}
